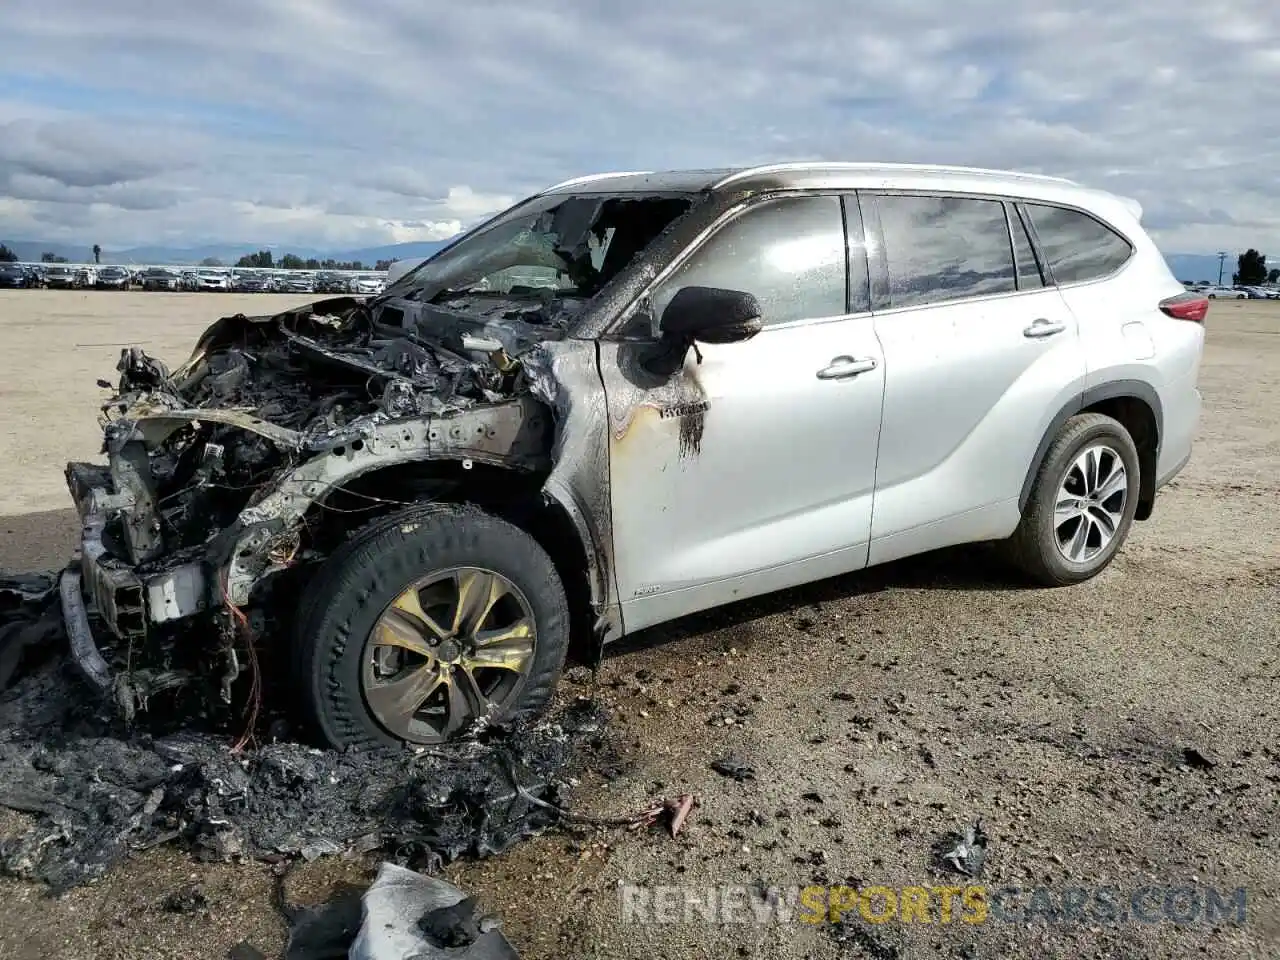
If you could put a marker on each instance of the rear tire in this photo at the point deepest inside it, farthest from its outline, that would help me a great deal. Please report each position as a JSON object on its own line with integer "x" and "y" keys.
{"x": 381, "y": 564}
{"x": 1081, "y": 507}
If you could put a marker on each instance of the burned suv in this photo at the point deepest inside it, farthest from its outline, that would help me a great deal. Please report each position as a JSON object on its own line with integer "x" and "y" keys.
{"x": 625, "y": 399}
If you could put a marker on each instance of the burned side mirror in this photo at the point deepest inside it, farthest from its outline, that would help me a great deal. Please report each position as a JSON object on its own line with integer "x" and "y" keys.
{"x": 710, "y": 315}
{"x": 700, "y": 315}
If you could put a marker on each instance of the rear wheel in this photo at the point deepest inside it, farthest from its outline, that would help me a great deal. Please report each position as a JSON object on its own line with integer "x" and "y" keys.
{"x": 1081, "y": 505}
{"x": 428, "y": 625}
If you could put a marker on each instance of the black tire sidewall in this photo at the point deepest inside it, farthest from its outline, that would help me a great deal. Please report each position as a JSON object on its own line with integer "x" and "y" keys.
{"x": 1119, "y": 440}
{"x": 361, "y": 581}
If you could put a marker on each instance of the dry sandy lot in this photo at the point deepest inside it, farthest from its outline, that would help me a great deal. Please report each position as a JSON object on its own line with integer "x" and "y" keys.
{"x": 1060, "y": 717}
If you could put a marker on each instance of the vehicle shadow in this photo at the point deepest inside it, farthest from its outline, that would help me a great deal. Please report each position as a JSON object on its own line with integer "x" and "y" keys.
{"x": 38, "y": 541}
{"x": 967, "y": 567}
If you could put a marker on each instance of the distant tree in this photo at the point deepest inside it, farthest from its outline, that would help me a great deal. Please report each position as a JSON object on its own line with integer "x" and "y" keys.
{"x": 292, "y": 261}
{"x": 97, "y": 253}
{"x": 312, "y": 263}
{"x": 211, "y": 262}
{"x": 260, "y": 259}
{"x": 7, "y": 255}
{"x": 383, "y": 265}
{"x": 1273, "y": 276}
{"x": 1251, "y": 268}
{"x": 48, "y": 257}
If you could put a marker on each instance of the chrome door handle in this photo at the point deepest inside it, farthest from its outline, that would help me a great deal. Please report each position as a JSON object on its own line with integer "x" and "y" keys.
{"x": 842, "y": 367}
{"x": 1043, "y": 328}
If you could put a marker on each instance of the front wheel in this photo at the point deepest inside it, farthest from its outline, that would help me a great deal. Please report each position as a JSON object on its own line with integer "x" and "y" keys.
{"x": 428, "y": 625}
{"x": 1082, "y": 503}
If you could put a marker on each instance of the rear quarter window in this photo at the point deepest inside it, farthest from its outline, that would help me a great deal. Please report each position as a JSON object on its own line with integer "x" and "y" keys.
{"x": 1077, "y": 247}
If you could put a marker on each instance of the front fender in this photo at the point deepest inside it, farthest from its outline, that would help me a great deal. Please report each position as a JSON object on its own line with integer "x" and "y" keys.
{"x": 514, "y": 434}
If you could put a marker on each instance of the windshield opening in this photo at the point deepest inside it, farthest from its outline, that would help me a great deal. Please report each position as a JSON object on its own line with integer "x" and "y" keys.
{"x": 571, "y": 246}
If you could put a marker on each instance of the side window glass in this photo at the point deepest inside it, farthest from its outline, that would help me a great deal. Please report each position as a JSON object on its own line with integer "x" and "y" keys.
{"x": 1028, "y": 270}
{"x": 1076, "y": 246}
{"x": 789, "y": 253}
{"x": 945, "y": 248}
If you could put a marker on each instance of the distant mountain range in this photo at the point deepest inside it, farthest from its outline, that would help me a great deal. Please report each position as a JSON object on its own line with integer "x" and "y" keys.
{"x": 228, "y": 253}
{"x": 1185, "y": 266}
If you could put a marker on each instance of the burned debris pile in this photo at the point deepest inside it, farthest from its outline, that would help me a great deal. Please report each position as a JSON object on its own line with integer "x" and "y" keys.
{"x": 96, "y": 793}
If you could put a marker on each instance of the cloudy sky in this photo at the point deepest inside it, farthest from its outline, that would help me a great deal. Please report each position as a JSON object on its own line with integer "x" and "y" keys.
{"x": 344, "y": 124}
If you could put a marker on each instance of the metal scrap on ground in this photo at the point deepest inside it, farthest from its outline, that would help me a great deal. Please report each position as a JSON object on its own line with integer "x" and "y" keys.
{"x": 732, "y": 768}
{"x": 965, "y": 852}
{"x": 402, "y": 916}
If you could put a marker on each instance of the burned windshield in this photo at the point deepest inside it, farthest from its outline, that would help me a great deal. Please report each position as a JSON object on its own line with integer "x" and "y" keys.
{"x": 570, "y": 245}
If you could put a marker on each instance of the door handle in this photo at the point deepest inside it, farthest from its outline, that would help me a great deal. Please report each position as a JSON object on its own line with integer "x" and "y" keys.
{"x": 842, "y": 367}
{"x": 1043, "y": 328}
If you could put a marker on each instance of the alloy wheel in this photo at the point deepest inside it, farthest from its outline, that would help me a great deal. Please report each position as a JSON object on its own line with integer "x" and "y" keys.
{"x": 1090, "y": 505}
{"x": 450, "y": 651}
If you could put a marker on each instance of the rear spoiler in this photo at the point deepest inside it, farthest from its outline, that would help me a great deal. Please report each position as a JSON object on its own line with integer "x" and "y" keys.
{"x": 1133, "y": 206}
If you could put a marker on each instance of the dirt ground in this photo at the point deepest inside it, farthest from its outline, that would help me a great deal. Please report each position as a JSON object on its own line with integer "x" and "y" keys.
{"x": 1062, "y": 717}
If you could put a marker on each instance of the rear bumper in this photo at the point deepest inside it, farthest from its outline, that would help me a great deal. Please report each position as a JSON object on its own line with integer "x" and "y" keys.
{"x": 1173, "y": 471}
{"x": 1182, "y": 410}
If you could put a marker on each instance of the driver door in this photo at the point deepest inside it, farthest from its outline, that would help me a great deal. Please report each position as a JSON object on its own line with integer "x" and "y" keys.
{"x": 753, "y": 470}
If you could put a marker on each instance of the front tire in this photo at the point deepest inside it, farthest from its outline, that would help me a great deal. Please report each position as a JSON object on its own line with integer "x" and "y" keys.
{"x": 427, "y": 625}
{"x": 1081, "y": 505}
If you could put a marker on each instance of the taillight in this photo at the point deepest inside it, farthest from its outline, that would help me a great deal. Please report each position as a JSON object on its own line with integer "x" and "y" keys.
{"x": 1186, "y": 306}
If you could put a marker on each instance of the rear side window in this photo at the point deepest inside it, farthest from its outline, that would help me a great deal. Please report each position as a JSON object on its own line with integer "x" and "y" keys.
{"x": 941, "y": 249}
{"x": 790, "y": 253}
{"x": 1076, "y": 246}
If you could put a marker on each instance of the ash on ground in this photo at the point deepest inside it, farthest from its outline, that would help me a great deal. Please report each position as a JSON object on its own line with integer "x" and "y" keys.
{"x": 97, "y": 792}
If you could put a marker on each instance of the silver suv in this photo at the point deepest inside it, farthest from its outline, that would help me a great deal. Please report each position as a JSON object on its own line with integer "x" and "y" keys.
{"x": 628, "y": 398}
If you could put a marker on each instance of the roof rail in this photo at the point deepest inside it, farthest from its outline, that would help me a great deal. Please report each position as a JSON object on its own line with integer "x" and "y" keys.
{"x": 855, "y": 166}
{"x": 576, "y": 181}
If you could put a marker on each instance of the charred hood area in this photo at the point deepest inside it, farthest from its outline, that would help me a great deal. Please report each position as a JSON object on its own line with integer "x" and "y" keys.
{"x": 275, "y": 390}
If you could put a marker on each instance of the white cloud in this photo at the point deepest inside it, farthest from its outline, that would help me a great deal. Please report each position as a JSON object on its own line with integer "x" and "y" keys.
{"x": 322, "y": 122}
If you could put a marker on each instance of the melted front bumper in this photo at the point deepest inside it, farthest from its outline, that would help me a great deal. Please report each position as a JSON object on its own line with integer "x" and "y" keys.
{"x": 129, "y": 599}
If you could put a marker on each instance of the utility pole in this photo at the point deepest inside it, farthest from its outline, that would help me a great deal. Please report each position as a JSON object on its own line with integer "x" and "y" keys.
{"x": 1222, "y": 259}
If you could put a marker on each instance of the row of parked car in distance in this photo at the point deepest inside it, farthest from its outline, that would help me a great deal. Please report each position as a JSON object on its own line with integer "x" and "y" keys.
{"x": 1244, "y": 292}
{"x": 74, "y": 276}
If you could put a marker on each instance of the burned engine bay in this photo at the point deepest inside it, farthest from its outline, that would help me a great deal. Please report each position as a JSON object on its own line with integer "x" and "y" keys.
{"x": 216, "y": 468}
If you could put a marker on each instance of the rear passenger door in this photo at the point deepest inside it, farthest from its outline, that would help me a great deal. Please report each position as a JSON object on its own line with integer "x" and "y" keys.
{"x": 979, "y": 356}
